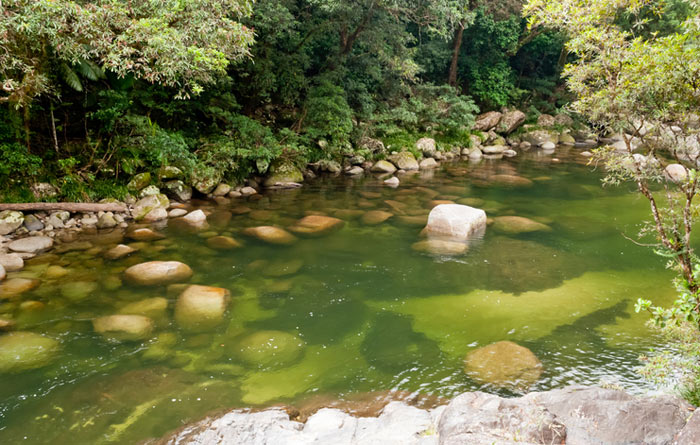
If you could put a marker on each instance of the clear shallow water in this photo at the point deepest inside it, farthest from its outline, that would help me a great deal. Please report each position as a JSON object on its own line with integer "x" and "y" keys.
{"x": 372, "y": 314}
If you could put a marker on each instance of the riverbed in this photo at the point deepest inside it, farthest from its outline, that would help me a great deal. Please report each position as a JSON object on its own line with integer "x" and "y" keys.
{"x": 361, "y": 310}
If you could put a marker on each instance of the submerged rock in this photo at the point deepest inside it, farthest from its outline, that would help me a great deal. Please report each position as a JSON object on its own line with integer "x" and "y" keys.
{"x": 223, "y": 243}
{"x": 510, "y": 180}
{"x": 455, "y": 221}
{"x": 154, "y": 308}
{"x": 16, "y": 286}
{"x": 440, "y": 247}
{"x": 119, "y": 251}
{"x": 201, "y": 308}
{"x": 155, "y": 273}
{"x": 144, "y": 234}
{"x": 22, "y": 351}
{"x": 503, "y": 364}
{"x": 271, "y": 234}
{"x": 375, "y": 217}
{"x": 124, "y": 327}
{"x": 270, "y": 348}
{"x": 514, "y": 225}
{"x": 78, "y": 290}
{"x": 317, "y": 225}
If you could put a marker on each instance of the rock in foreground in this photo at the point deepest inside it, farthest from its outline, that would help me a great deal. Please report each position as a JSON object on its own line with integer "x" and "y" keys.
{"x": 503, "y": 364}
{"x": 574, "y": 415}
{"x": 455, "y": 221}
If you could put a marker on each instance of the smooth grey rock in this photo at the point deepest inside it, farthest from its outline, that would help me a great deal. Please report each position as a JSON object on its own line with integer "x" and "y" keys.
{"x": 392, "y": 182}
{"x": 548, "y": 146}
{"x": 455, "y": 221}
{"x": 428, "y": 163}
{"x": 3, "y": 274}
{"x": 690, "y": 434}
{"x": 174, "y": 213}
{"x": 354, "y": 171}
{"x": 147, "y": 205}
{"x": 537, "y": 138}
{"x": 248, "y": 191}
{"x": 32, "y": 223}
{"x": 32, "y": 244}
{"x": 12, "y": 262}
{"x": 493, "y": 149}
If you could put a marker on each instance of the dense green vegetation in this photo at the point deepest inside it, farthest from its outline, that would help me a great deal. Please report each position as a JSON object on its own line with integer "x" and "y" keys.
{"x": 95, "y": 91}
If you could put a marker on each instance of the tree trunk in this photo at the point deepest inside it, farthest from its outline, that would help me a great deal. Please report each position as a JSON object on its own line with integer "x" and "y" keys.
{"x": 73, "y": 207}
{"x": 456, "y": 47}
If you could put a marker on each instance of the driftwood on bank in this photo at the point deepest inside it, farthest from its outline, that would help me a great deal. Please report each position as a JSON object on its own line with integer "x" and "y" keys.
{"x": 68, "y": 206}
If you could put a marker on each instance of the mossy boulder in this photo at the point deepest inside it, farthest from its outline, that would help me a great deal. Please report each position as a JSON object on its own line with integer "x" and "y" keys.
{"x": 10, "y": 220}
{"x": 503, "y": 364}
{"x": 22, "y": 351}
{"x": 283, "y": 172}
{"x": 383, "y": 167}
{"x": 404, "y": 161}
{"x": 201, "y": 308}
{"x": 154, "y": 308}
{"x": 270, "y": 348}
{"x": 139, "y": 182}
{"x": 149, "y": 204}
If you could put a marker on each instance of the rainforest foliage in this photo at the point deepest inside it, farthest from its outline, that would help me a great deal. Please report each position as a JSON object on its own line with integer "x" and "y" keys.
{"x": 94, "y": 91}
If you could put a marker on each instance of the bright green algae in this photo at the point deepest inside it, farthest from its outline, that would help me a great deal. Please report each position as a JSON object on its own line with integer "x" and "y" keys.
{"x": 355, "y": 311}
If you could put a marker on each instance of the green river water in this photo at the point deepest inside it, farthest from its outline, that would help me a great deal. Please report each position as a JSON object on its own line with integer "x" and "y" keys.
{"x": 370, "y": 313}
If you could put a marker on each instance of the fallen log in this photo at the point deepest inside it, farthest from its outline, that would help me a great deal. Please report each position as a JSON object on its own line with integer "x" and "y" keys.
{"x": 72, "y": 207}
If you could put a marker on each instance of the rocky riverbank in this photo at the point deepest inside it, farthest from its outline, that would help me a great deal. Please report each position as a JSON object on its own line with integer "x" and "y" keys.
{"x": 574, "y": 415}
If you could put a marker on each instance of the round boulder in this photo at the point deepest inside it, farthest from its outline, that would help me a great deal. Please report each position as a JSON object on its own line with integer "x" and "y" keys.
{"x": 503, "y": 364}
{"x": 155, "y": 273}
{"x": 21, "y": 351}
{"x": 201, "y": 308}
{"x": 270, "y": 348}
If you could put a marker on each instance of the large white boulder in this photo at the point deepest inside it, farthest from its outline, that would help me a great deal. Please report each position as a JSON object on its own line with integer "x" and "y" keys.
{"x": 455, "y": 221}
